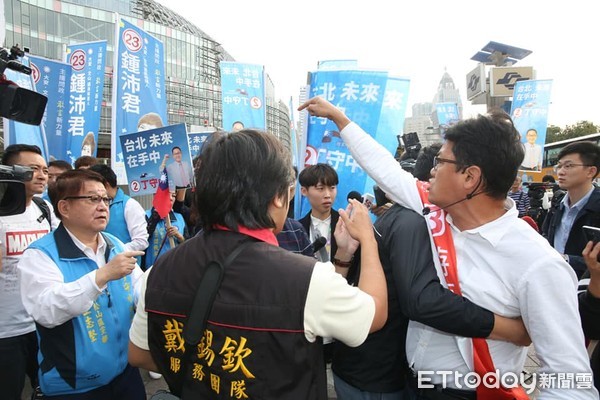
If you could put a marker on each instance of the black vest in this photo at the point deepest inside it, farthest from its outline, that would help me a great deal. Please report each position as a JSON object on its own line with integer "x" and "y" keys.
{"x": 254, "y": 341}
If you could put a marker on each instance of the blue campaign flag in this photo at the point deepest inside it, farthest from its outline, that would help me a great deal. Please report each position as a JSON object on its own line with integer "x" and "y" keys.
{"x": 243, "y": 96}
{"x": 337, "y": 64}
{"x": 391, "y": 119}
{"x": 447, "y": 114}
{"x": 361, "y": 95}
{"x": 51, "y": 78}
{"x": 139, "y": 97}
{"x": 293, "y": 136}
{"x": 530, "y": 115}
{"x": 17, "y": 132}
{"x": 87, "y": 61}
{"x": 196, "y": 142}
{"x": 144, "y": 153}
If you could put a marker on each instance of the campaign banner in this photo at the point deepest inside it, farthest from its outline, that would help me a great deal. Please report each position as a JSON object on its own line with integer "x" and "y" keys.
{"x": 243, "y": 96}
{"x": 337, "y": 64}
{"x": 361, "y": 95}
{"x": 529, "y": 113}
{"x": 139, "y": 96}
{"x": 86, "y": 85}
{"x": 293, "y": 136}
{"x": 144, "y": 153}
{"x": 447, "y": 115}
{"x": 51, "y": 78}
{"x": 17, "y": 132}
{"x": 196, "y": 141}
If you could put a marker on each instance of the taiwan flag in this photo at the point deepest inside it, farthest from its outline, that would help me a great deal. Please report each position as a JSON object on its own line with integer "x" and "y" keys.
{"x": 162, "y": 197}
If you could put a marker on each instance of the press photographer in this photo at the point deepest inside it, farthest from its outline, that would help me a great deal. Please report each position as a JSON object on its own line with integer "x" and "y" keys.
{"x": 542, "y": 197}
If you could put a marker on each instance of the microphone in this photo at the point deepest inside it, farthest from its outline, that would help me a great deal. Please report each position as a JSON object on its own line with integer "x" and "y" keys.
{"x": 319, "y": 243}
{"x": 428, "y": 210}
{"x": 355, "y": 195}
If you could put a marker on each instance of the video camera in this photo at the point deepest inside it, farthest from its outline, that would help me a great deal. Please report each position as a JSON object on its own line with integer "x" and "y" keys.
{"x": 21, "y": 105}
{"x": 16, "y": 103}
{"x": 12, "y": 189}
{"x": 412, "y": 146}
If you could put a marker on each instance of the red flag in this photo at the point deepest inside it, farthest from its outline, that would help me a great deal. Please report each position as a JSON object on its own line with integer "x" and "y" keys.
{"x": 162, "y": 197}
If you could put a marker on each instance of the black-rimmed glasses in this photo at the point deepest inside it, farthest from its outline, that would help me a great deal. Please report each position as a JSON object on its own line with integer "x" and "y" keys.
{"x": 92, "y": 198}
{"x": 439, "y": 160}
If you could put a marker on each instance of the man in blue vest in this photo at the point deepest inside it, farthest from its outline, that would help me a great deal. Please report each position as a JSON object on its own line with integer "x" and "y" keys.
{"x": 79, "y": 285}
{"x": 127, "y": 216}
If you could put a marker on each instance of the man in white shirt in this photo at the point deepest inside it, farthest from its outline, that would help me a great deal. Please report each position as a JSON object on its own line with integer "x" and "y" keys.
{"x": 503, "y": 264}
{"x": 533, "y": 152}
{"x": 18, "y": 344}
{"x": 180, "y": 172}
{"x": 79, "y": 285}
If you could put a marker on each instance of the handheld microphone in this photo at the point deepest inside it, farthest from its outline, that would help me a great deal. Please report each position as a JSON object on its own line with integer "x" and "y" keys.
{"x": 355, "y": 195}
{"x": 319, "y": 243}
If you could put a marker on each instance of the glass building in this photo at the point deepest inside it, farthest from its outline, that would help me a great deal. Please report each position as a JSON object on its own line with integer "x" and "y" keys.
{"x": 192, "y": 75}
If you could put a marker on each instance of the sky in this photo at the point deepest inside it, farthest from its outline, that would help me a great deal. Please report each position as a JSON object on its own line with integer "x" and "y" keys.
{"x": 418, "y": 40}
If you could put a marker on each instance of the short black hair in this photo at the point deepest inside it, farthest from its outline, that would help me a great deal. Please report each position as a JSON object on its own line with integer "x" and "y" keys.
{"x": 12, "y": 152}
{"x": 321, "y": 173}
{"x": 238, "y": 177}
{"x": 60, "y": 164}
{"x": 107, "y": 173}
{"x": 492, "y": 143}
{"x": 424, "y": 162}
{"x": 548, "y": 178}
{"x": 175, "y": 147}
{"x": 589, "y": 153}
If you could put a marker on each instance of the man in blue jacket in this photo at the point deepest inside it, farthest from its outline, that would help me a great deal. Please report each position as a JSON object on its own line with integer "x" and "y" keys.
{"x": 79, "y": 285}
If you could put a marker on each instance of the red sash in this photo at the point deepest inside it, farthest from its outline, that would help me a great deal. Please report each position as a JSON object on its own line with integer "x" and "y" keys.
{"x": 444, "y": 243}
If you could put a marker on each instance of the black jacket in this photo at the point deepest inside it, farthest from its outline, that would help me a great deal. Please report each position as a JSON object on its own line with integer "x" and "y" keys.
{"x": 588, "y": 215}
{"x": 414, "y": 292}
{"x": 589, "y": 310}
{"x": 335, "y": 216}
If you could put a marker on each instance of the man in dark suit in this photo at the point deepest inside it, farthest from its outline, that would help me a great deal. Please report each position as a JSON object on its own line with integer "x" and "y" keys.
{"x": 577, "y": 167}
{"x": 319, "y": 185}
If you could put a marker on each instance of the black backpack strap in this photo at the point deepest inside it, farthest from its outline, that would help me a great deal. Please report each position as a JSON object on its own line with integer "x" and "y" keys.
{"x": 205, "y": 296}
{"x": 43, "y": 206}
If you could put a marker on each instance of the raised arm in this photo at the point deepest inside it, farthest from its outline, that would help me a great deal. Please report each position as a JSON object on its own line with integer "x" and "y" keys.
{"x": 375, "y": 159}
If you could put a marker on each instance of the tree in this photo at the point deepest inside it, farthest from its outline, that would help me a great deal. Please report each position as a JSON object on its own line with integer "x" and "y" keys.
{"x": 581, "y": 128}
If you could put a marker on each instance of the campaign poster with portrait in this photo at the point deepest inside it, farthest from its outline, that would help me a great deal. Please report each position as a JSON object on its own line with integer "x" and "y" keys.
{"x": 145, "y": 152}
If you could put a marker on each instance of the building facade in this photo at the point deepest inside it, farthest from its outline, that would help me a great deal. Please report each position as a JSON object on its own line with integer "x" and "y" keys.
{"x": 192, "y": 75}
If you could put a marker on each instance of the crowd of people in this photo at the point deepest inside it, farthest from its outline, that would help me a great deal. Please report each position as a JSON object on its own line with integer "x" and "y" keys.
{"x": 451, "y": 284}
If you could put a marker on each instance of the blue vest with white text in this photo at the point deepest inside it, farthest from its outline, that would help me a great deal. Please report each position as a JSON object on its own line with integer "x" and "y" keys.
{"x": 117, "y": 225}
{"x": 89, "y": 350}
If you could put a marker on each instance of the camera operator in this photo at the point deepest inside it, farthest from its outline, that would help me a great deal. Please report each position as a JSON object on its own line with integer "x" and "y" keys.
{"x": 520, "y": 198}
{"x": 18, "y": 342}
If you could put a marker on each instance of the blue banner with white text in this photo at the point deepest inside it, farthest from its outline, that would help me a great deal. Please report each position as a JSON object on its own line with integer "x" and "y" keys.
{"x": 87, "y": 61}
{"x": 145, "y": 152}
{"x": 196, "y": 141}
{"x": 360, "y": 94}
{"x": 243, "y": 96}
{"x": 51, "y": 78}
{"x": 447, "y": 114}
{"x": 17, "y": 132}
{"x": 139, "y": 97}
{"x": 529, "y": 113}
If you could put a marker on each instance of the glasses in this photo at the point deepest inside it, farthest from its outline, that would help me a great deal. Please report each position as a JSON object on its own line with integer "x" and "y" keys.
{"x": 568, "y": 166}
{"x": 93, "y": 198}
{"x": 439, "y": 160}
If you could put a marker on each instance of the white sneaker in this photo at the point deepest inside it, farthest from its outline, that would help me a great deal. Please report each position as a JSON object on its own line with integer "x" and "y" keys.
{"x": 154, "y": 375}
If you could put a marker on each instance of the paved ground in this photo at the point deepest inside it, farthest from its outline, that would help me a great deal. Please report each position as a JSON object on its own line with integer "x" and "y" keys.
{"x": 531, "y": 365}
